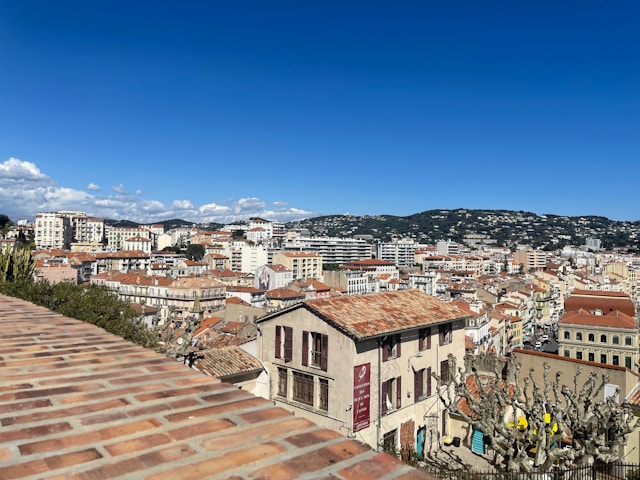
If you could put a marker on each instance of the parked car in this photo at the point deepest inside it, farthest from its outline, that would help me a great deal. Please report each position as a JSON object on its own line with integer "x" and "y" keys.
{"x": 538, "y": 345}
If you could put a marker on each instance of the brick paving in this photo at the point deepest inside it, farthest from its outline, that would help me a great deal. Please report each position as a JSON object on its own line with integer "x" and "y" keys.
{"x": 77, "y": 403}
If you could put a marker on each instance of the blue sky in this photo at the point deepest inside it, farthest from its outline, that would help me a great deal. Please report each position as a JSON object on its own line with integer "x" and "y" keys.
{"x": 216, "y": 111}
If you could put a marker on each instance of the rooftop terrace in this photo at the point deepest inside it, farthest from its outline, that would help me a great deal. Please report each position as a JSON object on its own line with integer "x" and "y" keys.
{"x": 79, "y": 403}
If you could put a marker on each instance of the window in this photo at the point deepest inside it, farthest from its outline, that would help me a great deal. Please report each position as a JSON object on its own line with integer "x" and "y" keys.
{"x": 566, "y": 353}
{"x": 615, "y": 340}
{"x": 615, "y": 360}
{"x": 603, "y": 339}
{"x": 627, "y": 362}
{"x": 284, "y": 343}
{"x": 579, "y": 336}
{"x": 303, "y": 388}
{"x": 627, "y": 341}
{"x": 567, "y": 335}
{"x": 391, "y": 347}
{"x": 579, "y": 355}
{"x": 324, "y": 394}
{"x": 391, "y": 392}
{"x": 592, "y": 357}
{"x": 316, "y": 346}
{"x": 389, "y": 441}
{"x": 445, "y": 374}
{"x": 283, "y": 375}
{"x": 603, "y": 358}
{"x": 592, "y": 337}
{"x": 424, "y": 339}
{"x": 445, "y": 333}
{"x": 421, "y": 384}
{"x": 418, "y": 385}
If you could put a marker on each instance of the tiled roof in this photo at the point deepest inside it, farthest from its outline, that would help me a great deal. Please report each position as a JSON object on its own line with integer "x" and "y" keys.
{"x": 78, "y": 403}
{"x": 227, "y": 361}
{"x": 613, "y": 319}
{"x": 283, "y": 293}
{"x": 597, "y": 300}
{"x": 364, "y": 316}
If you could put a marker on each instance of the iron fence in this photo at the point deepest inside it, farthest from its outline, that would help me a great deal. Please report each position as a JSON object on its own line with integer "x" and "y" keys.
{"x": 608, "y": 471}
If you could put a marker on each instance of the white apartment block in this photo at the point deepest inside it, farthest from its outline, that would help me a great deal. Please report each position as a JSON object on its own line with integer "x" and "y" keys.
{"x": 53, "y": 230}
{"x": 303, "y": 265}
{"x": 334, "y": 251}
{"x": 400, "y": 252}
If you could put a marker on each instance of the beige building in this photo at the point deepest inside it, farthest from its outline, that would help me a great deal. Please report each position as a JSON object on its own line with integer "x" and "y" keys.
{"x": 363, "y": 365}
{"x": 303, "y": 265}
{"x": 53, "y": 230}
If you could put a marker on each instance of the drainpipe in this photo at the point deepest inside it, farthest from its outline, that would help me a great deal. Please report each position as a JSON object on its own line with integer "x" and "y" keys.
{"x": 378, "y": 443}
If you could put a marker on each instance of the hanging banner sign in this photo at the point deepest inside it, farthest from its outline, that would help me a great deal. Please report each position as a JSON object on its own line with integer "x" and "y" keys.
{"x": 361, "y": 396}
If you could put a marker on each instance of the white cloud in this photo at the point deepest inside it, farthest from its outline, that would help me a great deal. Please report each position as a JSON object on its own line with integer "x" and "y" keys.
{"x": 25, "y": 191}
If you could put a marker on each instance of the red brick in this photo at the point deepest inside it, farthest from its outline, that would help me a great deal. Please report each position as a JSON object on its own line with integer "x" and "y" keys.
{"x": 215, "y": 410}
{"x": 376, "y": 467}
{"x": 313, "y": 438}
{"x": 37, "y": 467}
{"x": 256, "y": 433}
{"x": 137, "y": 444}
{"x": 113, "y": 393}
{"x": 264, "y": 414}
{"x": 31, "y": 432}
{"x": 201, "y": 428}
{"x": 220, "y": 464}
{"x": 64, "y": 412}
{"x": 18, "y": 407}
{"x": 88, "y": 437}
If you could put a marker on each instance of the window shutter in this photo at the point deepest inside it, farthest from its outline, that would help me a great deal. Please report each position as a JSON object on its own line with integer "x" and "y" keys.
{"x": 305, "y": 348}
{"x": 428, "y": 382}
{"x": 398, "y": 343}
{"x": 277, "y": 355}
{"x": 441, "y": 335}
{"x": 416, "y": 385}
{"x": 385, "y": 351}
{"x": 288, "y": 344}
{"x": 324, "y": 353}
{"x": 399, "y": 392}
{"x": 421, "y": 334}
{"x": 428, "y": 338}
{"x": 383, "y": 399}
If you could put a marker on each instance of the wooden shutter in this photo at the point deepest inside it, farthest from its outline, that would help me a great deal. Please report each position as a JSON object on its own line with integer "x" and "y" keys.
{"x": 288, "y": 344}
{"x": 417, "y": 385}
{"x": 398, "y": 344}
{"x": 398, "y": 392}
{"x": 324, "y": 353}
{"x": 385, "y": 350}
{"x": 305, "y": 348}
{"x": 421, "y": 334}
{"x": 277, "y": 354}
{"x": 428, "y": 380}
{"x": 383, "y": 398}
{"x": 441, "y": 335}
{"x": 428, "y": 338}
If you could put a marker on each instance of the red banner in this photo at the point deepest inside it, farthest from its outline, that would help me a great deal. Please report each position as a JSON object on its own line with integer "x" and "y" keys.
{"x": 361, "y": 396}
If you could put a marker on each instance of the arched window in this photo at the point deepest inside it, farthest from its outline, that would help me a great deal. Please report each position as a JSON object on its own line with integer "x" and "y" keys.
{"x": 627, "y": 340}
{"x": 567, "y": 335}
{"x": 603, "y": 339}
{"x": 579, "y": 336}
{"x": 615, "y": 340}
{"x": 592, "y": 337}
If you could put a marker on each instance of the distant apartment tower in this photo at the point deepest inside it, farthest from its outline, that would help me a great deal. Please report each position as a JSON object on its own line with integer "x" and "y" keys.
{"x": 303, "y": 265}
{"x": 592, "y": 244}
{"x": 53, "y": 230}
{"x": 531, "y": 259}
{"x": 447, "y": 247}
{"x": 116, "y": 236}
{"x": 400, "y": 252}
{"x": 334, "y": 251}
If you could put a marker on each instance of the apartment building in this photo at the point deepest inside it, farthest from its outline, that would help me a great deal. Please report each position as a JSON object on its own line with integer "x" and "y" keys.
{"x": 53, "y": 230}
{"x": 303, "y": 265}
{"x": 531, "y": 259}
{"x": 334, "y": 251}
{"x": 362, "y": 365}
{"x": 117, "y": 236}
{"x": 399, "y": 252}
{"x": 270, "y": 277}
